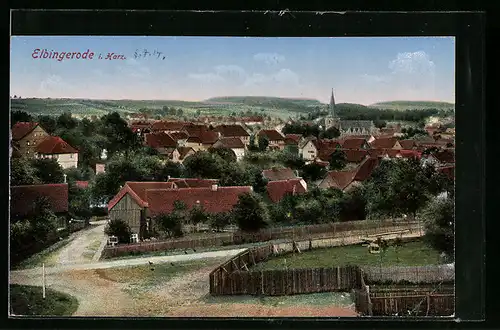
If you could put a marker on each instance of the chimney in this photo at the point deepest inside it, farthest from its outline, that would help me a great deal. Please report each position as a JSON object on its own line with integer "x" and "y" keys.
{"x": 214, "y": 187}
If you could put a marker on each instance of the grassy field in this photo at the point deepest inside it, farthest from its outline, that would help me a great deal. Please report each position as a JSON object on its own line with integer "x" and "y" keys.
{"x": 28, "y": 300}
{"x": 275, "y": 107}
{"x": 148, "y": 276}
{"x": 314, "y": 299}
{"x": 415, "y": 253}
{"x": 404, "y": 105}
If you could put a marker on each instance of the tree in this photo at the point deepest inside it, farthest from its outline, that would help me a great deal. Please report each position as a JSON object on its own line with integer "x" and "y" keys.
{"x": 226, "y": 154}
{"x": 439, "y": 222}
{"x": 22, "y": 172}
{"x": 219, "y": 221}
{"x": 313, "y": 172}
{"x": 204, "y": 165}
{"x": 48, "y": 123}
{"x": 119, "y": 136}
{"x": 353, "y": 205}
{"x": 250, "y": 213}
{"x": 263, "y": 143}
{"x": 330, "y": 133}
{"x": 379, "y": 123}
{"x": 197, "y": 215}
{"x": 66, "y": 121}
{"x": 170, "y": 224}
{"x": 252, "y": 145}
{"x": 19, "y": 116}
{"x": 337, "y": 160}
{"x": 48, "y": 170}
{"x": 79, "y": 202}
{"x": 120, "y": 229}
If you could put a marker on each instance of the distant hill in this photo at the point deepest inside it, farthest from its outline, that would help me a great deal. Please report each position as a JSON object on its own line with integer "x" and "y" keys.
{"x": 406, "y": 105}
{"x": 273, "y": 106}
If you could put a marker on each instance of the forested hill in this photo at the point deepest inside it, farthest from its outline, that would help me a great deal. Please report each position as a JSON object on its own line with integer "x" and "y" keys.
{"x": 413, "y": 105}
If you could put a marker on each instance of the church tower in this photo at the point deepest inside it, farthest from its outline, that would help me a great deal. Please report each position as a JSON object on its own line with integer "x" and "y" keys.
{"x": 331, "y": 107}
{"x": 331, "y": 119}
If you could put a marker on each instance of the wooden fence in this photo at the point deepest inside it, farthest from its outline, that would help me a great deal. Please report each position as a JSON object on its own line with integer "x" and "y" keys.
{"x": 330, "y": 231}
{"x": 285, "y": 281}
{"x": 409, "y": 274}
{"x": 414, "y": 305}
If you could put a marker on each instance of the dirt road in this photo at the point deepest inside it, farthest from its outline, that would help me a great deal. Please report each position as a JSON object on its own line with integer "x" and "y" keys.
{"x": 83, "y": 246}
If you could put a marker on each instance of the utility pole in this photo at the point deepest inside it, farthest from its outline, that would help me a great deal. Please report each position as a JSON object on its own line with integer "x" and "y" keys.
{"x": 43, "y": 280}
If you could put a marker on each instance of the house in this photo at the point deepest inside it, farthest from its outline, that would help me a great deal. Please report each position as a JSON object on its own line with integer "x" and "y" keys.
{"x": 384, "y": 143}
{"x": 354, "y": 157}
{"x": 440, "y": 158}
{"x": 140, "y": 128}
{"x": 433, "y": 129}
{"x": 100, "y": 168}
{"x": 168, "y": 126}
{"x": 161, "y": 142}
{"x": 233, "y": 131}
{"x": 405, "y": 144}
{"x": 180, "y": 138}
{"x": 138, "y": 203}
{"x": 276, "y": 190}
{"x": 23, "y": 200}
{"x": 276, "y": 139}
{"x": 26, "y": 136}
{"x": 449, "y": 171}
{"x": 55, "y": 147}
{"x": 193, "y": 182}
{"x": 346, "y": 180}
{"x": 293, "y": 139}
{"x": 233, "y": 143}
{"x": 279, "y": 174}
{"x": 354, "y": 143}
{"x": 200, "y": 137}
{"x": 183, "y": 153}
{"x": 322, "y": 149}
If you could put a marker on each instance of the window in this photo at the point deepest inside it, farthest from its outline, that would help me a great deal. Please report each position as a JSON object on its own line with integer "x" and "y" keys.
{"x": 70, "y": 155}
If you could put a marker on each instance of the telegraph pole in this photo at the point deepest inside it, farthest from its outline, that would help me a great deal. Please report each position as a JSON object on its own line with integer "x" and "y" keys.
{"x": 43, "y": 280}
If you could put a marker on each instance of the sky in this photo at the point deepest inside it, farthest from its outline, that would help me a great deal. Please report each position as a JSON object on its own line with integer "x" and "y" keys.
{"x": 362, "y": 70}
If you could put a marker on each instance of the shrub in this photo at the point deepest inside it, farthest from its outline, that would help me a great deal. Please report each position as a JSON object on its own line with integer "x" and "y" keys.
{"x": 120, "y": 229}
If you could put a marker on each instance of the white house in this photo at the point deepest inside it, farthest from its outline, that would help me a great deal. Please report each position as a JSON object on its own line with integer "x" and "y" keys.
{"x": 233, "y": 143}
{"x": 55, "y": 147}
{"x": 309, "y": 151}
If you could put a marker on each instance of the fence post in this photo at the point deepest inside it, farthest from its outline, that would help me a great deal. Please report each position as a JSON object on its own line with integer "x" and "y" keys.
{"x": 262, "y": 282}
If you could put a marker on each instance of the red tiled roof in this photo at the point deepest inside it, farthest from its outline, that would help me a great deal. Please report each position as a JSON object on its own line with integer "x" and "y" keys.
{"x": 23, "y": 197}
{"x": 355, "y": 155}
{"x": 193, "y": 182}
{"x": 341, "y": 179}
{"x": 384, "y": 143}
{"x": 232, "y": 131}
{"x": 293, "y": 139}
{"x": 194, "y": 129}
{"x": 229, "y": 142}
{"x": 140, "y": 125}
{"x": 184, "y": 151}
{"x": 353, "y": 143}
{"x": 410, "y": 153}
{"x": 21, "y": 129}
{"x": 365, "y": 169}
{"x": 278, "y": 189}
{"x": 407, "y": 144}
{"x": 271, "y": 134}
{"x": 54, "y": 145}
{"x": 160, "y": 140}
{"x": 222, "y": 199}
{"x": 137, "y": 190}
{"x": 82, "y": 184}
{"x": 179, "y": 136}
{"x": 204, "y": 136}
{"x": 445, "y": 156}
{"x": 167, "y": 126}
{"x": 277, "y": 174}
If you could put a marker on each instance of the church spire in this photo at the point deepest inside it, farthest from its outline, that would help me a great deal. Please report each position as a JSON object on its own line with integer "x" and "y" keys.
{"x": 332, "y": 105}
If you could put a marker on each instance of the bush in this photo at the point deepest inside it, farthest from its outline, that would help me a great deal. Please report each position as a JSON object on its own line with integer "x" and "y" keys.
{"x": 120, "y": 229}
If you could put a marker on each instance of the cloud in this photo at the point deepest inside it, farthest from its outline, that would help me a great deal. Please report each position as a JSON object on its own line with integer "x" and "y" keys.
{"x": 134, "y": 69}
{"x": 269, "y": 58}
{"x": 375, "y": 78}
{"x": 53, "y": 84}
{"x": 230, "y": 70}
{"x": 412, "y": 63}
{"x": 282, "y": 77}
{"x": 206, "y": 77}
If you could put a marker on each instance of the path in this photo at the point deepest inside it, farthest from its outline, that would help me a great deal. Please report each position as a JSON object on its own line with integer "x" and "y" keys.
{"x": 84, "y": 246}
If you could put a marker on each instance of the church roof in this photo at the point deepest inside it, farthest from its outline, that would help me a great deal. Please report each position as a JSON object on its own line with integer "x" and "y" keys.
{"x": 345, "y": 124}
